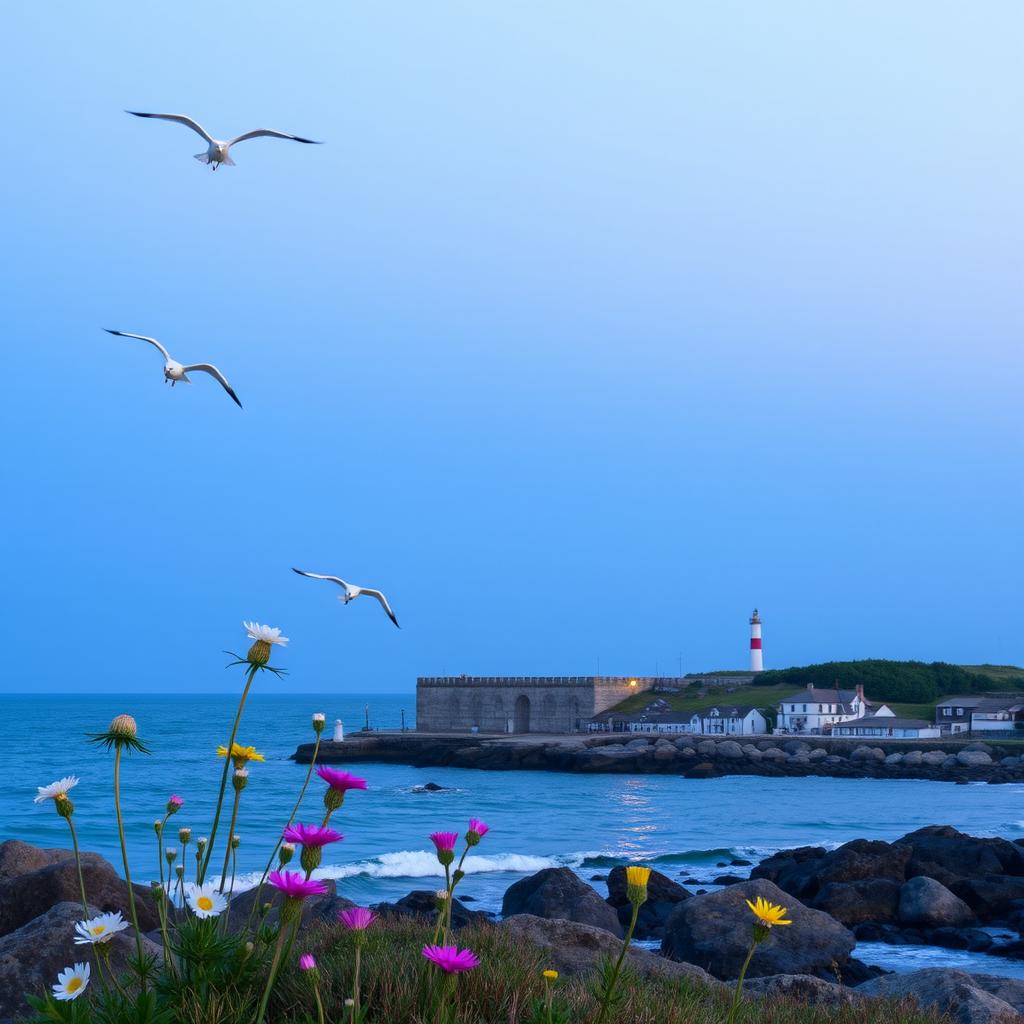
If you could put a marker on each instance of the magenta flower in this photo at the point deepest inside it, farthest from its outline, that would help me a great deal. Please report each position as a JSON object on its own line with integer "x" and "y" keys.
{"x": 451, "y": 959}
{"x": 444, "y": 840}
{"x": 357, "y": 918}
{"x": 339, "y": 780}
{"x": 174, "y": 803}
{"x": 476, "y": 831}
{"x": 306, "y": 962}
{"x": 311, "y": 835}
{"x": 295, "y": 886}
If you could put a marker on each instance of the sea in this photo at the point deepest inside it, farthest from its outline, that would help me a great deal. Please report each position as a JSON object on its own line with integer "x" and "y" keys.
{"x": 590, "y": 823}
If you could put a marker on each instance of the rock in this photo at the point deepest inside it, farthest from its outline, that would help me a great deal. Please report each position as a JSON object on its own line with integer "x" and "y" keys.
{"x": 950, "y": 763}
{"x": 933, "y": 758}
{"x": 945, "y": 854}
{"x": 708, "y": 748}
{"x": 954, "y": 994}
{"x": 599, "y": 878}
{"x": 422, "y": 904}
{"x": 1010, "y": 990}
{"x": 638, "y": 745}
{"x": 316, "y": 909}
{"x": 992, "y": 898}
{"x": 559, "y": 893}
{"x": 977, "y": 745}
{"x": 666, "y": 753}
{"x": 802, "y": 988}
{"x": 32, "y": 956}
{"x": 974, "y": 940}
{"x": 868, "y": 899}
{"x": 573, "y": 949}
{"x": 867, "y": 754}
{"x": 18, "y": 858}
{"x": 925, "y": 903}
{"x": 805, "y": 871}
{"x": 894, "y": 759}
{"x": 818, "y": 754}
{"x": 739, "y": 862}
{"x": 704, "y": 770}
{"x": 912, "y": 759}
{"x": 752, "y": 753}
{"x": 26, "y": 895}
{"x": 662, "y": 897}
{"x": 714, "y": 932}
{"x": 728, "y": 880}
{"x": 429, "y": 787}
{"x": 796, "y": 747}
{"x": 774, "y": 754}
{"x": 730, "y": 750}
{"x": 973, "y": 758}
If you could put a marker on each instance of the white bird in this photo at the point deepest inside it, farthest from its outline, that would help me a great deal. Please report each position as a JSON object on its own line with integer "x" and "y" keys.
{"x": 175, "y": 371}
{"x": 217, "y": 149}
{"x": 352, "y": 591}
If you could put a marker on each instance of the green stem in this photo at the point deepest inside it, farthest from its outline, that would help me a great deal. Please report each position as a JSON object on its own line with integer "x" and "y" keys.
{"x": 162, "y": 909}
{"x": 78, "y": 864}
{"x": 446, "y": 912}
{"x": 124, "y": 858}
{"x": 355, "y": 981}
{"x": 227, "y": 768}
{"x": 319, "y": 1005}
{"x": 739, "y": 985}
{"x": 547, "y": 999}
{"x": 231, "y": 833}
{"x": 275, "y": 964}
{"x": 610, "y": 990}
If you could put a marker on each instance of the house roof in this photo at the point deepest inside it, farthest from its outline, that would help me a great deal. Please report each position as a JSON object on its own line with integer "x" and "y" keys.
{"x": 885, "y": 721}
{"x": 961, "y": 702}
{"x": 729, "y": 711}
{"x": 817, "y": 695}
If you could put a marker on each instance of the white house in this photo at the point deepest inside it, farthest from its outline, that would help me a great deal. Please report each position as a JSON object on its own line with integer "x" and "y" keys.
{"x": 816, "y": 710}
{"x": 885, "y": 725}
{"x": 731, "y": 720}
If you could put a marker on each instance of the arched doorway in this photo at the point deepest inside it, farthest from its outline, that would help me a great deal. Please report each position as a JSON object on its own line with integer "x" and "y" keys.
{"x": 522, "y": 714}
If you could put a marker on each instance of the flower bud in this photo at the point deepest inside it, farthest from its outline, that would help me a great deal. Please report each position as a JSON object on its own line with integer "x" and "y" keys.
{"x": 259, "y": 653}
{"x": 249, "y": 947}
{"x": 124, "y": 727}
{"x": 158, "y": 827}
{"x": 310, "y": 857}
{"x": 286, "y": 853}
{"x": 333, "y": 799}
{"x": 184, "y": 835}
{"x": 350, "y": 1002}
{"x": 636, "y": 884}
{"x": 240, "y": 779}
{"x": 201, "y": 843}
{"x": 174, "y": 804}
{"x": 179, "y": 869}
{"x": 457, "y": 876}
{"x": 170, "y": 853}
{"x": 65, "y": 808}
{"x": 550, "y": 975}
{"x": 236, "y": 841}
{"x": 319, "y": 721}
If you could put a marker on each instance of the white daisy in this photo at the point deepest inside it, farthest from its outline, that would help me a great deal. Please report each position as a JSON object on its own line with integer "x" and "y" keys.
{"x": 56, "y": 790}
{"x": 101, "y": 928}
{"x": 204, "y": 900}
{"x": 71, "y": 982}
{"x": 268, "y": 634}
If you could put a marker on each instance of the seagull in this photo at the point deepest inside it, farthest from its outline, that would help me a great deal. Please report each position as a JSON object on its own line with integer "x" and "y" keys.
{"x": 352, "y": 591}
{"x": 217, "y": 150}
{"x": 174, "y": 371}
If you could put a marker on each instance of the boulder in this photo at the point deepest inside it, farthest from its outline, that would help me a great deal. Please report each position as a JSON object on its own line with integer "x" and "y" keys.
{"x": 925, "y": 903}
{"x": 804, "y": 989}
{"x": 714, "y": 932}
{"x": 572, "y": 948}
{"x": 993, "y": 898}
{"x": 707, "y": 748}
{"x": 1010, "y": 990}
{"x": 974, "y": 758}
{"x": 26, "y": 895}
{"x": 316, "y": 909}
{"x": 954, "y": 994}
{"x": 18, "y": 858}
{"x": 912, "y": 759}
{"x": 933, "y": 758}
{"x": 662, "y": 896}
{"x": 818, "y": 754}
{"x": 868, "y": 754}
{"x": 805, "y": 871}
{"x": 559, "y": 893}
{"x": 730, "y": 750}
{"x": 893, "y": 760}
{"x": 32, "y": 956}
{"x": 945, "y": 854}
{"x": 422, "y": 904}
{"x": 868, "y": 899}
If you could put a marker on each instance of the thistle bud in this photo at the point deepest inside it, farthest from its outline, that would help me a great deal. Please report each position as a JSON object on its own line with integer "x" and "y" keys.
{"x": 64, "y": 807}
{"x": 319, "y": 721}
{"x": 171, "y": 853}
{"x": 249, "y": 947}
{"x": 259, "y": 653}
{"x": 349, "y": 1003}
{"x": 184, "y": 835}
{"x": 201, "y": 843}
{"x": 240, "y": 779}
{"x": 158, "y": 827}
{"x": 310, "y": 858}
{"x": 179, "y": 869}
{"x": 124, "y": 727}
{"x": 174, "y": 804}
{"x": 286, "y": 853}
{"x": 333, "y": 799}
{"x": 236, "y": 841}
{"x": 457, "y": 876}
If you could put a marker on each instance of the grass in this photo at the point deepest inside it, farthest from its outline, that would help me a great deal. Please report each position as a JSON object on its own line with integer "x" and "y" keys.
{"x": 506, "y": 988}
{"x": 757, "y": 696}
{"x": 1002, "y": 673}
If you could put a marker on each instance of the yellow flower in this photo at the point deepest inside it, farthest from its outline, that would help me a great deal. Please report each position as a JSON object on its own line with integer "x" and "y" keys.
{"x": 551, "y": 975}
{"x": 637, "y": 875}
{"x": 768, "y": 914}
{"x": 240, "y": 755}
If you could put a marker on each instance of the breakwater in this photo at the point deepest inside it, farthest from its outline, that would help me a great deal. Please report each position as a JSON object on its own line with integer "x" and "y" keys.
{"x": 694, "y": 757}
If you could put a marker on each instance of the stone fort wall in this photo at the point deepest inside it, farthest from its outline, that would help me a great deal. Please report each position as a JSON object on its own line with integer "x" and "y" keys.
{"x": 506, "y": 704}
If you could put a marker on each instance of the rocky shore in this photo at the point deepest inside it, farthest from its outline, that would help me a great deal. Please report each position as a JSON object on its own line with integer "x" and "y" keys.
{"x": 934, "y": 885}
{"x": 695, "y": 757}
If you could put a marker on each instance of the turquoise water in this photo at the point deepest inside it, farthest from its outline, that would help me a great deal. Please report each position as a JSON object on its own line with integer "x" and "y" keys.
{"x": 539, "y": 819}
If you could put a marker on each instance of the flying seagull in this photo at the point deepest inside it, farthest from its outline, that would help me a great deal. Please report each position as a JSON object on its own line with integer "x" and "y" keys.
{"x": 174, "y": 371}
{"x": 352, "y": 591}
{"x": 217, "y": 150}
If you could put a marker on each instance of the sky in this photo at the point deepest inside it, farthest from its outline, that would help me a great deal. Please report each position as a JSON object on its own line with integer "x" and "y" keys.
{"x": 590, "y": 327}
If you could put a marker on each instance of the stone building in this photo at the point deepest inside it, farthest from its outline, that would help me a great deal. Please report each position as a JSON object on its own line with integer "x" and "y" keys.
{"x": 506, "y": 704}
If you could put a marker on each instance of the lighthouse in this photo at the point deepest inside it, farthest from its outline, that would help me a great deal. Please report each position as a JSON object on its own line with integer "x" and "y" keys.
{"x": 756, "y": 664}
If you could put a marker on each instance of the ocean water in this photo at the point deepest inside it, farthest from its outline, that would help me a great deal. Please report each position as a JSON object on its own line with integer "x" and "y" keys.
{"x": 538, "y": 819}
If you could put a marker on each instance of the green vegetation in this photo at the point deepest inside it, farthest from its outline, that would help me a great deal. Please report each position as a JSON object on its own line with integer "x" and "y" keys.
{"x": 761, "y": 697}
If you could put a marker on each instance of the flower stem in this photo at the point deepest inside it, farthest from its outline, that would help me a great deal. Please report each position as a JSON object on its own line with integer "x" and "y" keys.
{"x": 78, "y": 864}
{"x": 231, "y": 833}
{"x": 275, "y": 965}
{"x": 124, "y": 858}
{"x": 319, "y": 1005}
{"x": 355, "y": 981}
{"x": 227, "y": 768}
{"x": 739, "y": 984}
{"x": 613, "y": 981}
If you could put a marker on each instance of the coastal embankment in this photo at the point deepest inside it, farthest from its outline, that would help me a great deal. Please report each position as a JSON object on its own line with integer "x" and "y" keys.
{"x": 694, "y": 757}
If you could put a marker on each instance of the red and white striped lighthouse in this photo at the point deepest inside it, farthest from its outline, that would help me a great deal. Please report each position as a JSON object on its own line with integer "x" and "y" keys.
{"x": 756, "y": 663}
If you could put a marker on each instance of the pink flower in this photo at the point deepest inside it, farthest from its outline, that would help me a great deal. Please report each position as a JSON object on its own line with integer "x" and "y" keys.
{"x": 295, "y": 886}
{"x": 451, "y": 959}
{"x": 357, "y": 918}
{"x": 174, "y": 803}
{"x": 444, "y": 840}
{"x": 311, "y": 835}
{"x": 476, "y": 831}
{"x": 339, "y": 780}
{"x": 306, "y": 962}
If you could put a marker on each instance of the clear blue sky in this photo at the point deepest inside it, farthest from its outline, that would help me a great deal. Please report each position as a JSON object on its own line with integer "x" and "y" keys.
{"x": 592, "y": 326}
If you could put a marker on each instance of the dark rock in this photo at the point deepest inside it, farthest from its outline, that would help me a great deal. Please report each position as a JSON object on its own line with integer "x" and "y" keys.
{"x": 704, "y": 770}
{"x": 430, "y": 787}
{"x": 314, "y": 910}
{"x": 690, "y": 881}
{"x": 993, "y": 898}
{"x": 599, "y": 878}
{"x": 1010, "y": 990}
{"x": 802, "y": 988}
{"x": 422, "y": 904}
{"x": 926, "y": 903}
{"x": 559, "y": 893}
{"x": 728, "y": 880}
{"x": 739, "y": 862}
{"x": 662, "y": 896}
{"x": 18, "y": 858}
{"x": 947, "y": 855}
{"x": 954, "y": 994}
{"x": 575, "y": 949}
{"x": 851, "y": 903}
{"x": 714, "y": 932}
{"x": 24, "y": 896}
{"x": 33, "y": 955}
{"x": 974, "y": 940}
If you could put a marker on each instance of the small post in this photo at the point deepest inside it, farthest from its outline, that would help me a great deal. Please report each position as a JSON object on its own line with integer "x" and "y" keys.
{"x": 366, "y": 711}
{"x": 339, "y": 731}
{"x": 403, "y": 719}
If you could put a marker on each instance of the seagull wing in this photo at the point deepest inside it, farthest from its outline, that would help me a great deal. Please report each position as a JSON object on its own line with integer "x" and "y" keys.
{"x": 320, "y": 576}
{"x": 181, "y": 119}
{"x": 270, "y": 134}
{"x": 142, "y": 337}
{"x": 218, "y": 376}
{"x": 383, "y": 601}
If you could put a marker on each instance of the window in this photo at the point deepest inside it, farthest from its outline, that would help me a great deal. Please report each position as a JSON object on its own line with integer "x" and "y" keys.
{"x": 805, "y": 709}
{"x": 821, "y": 707}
